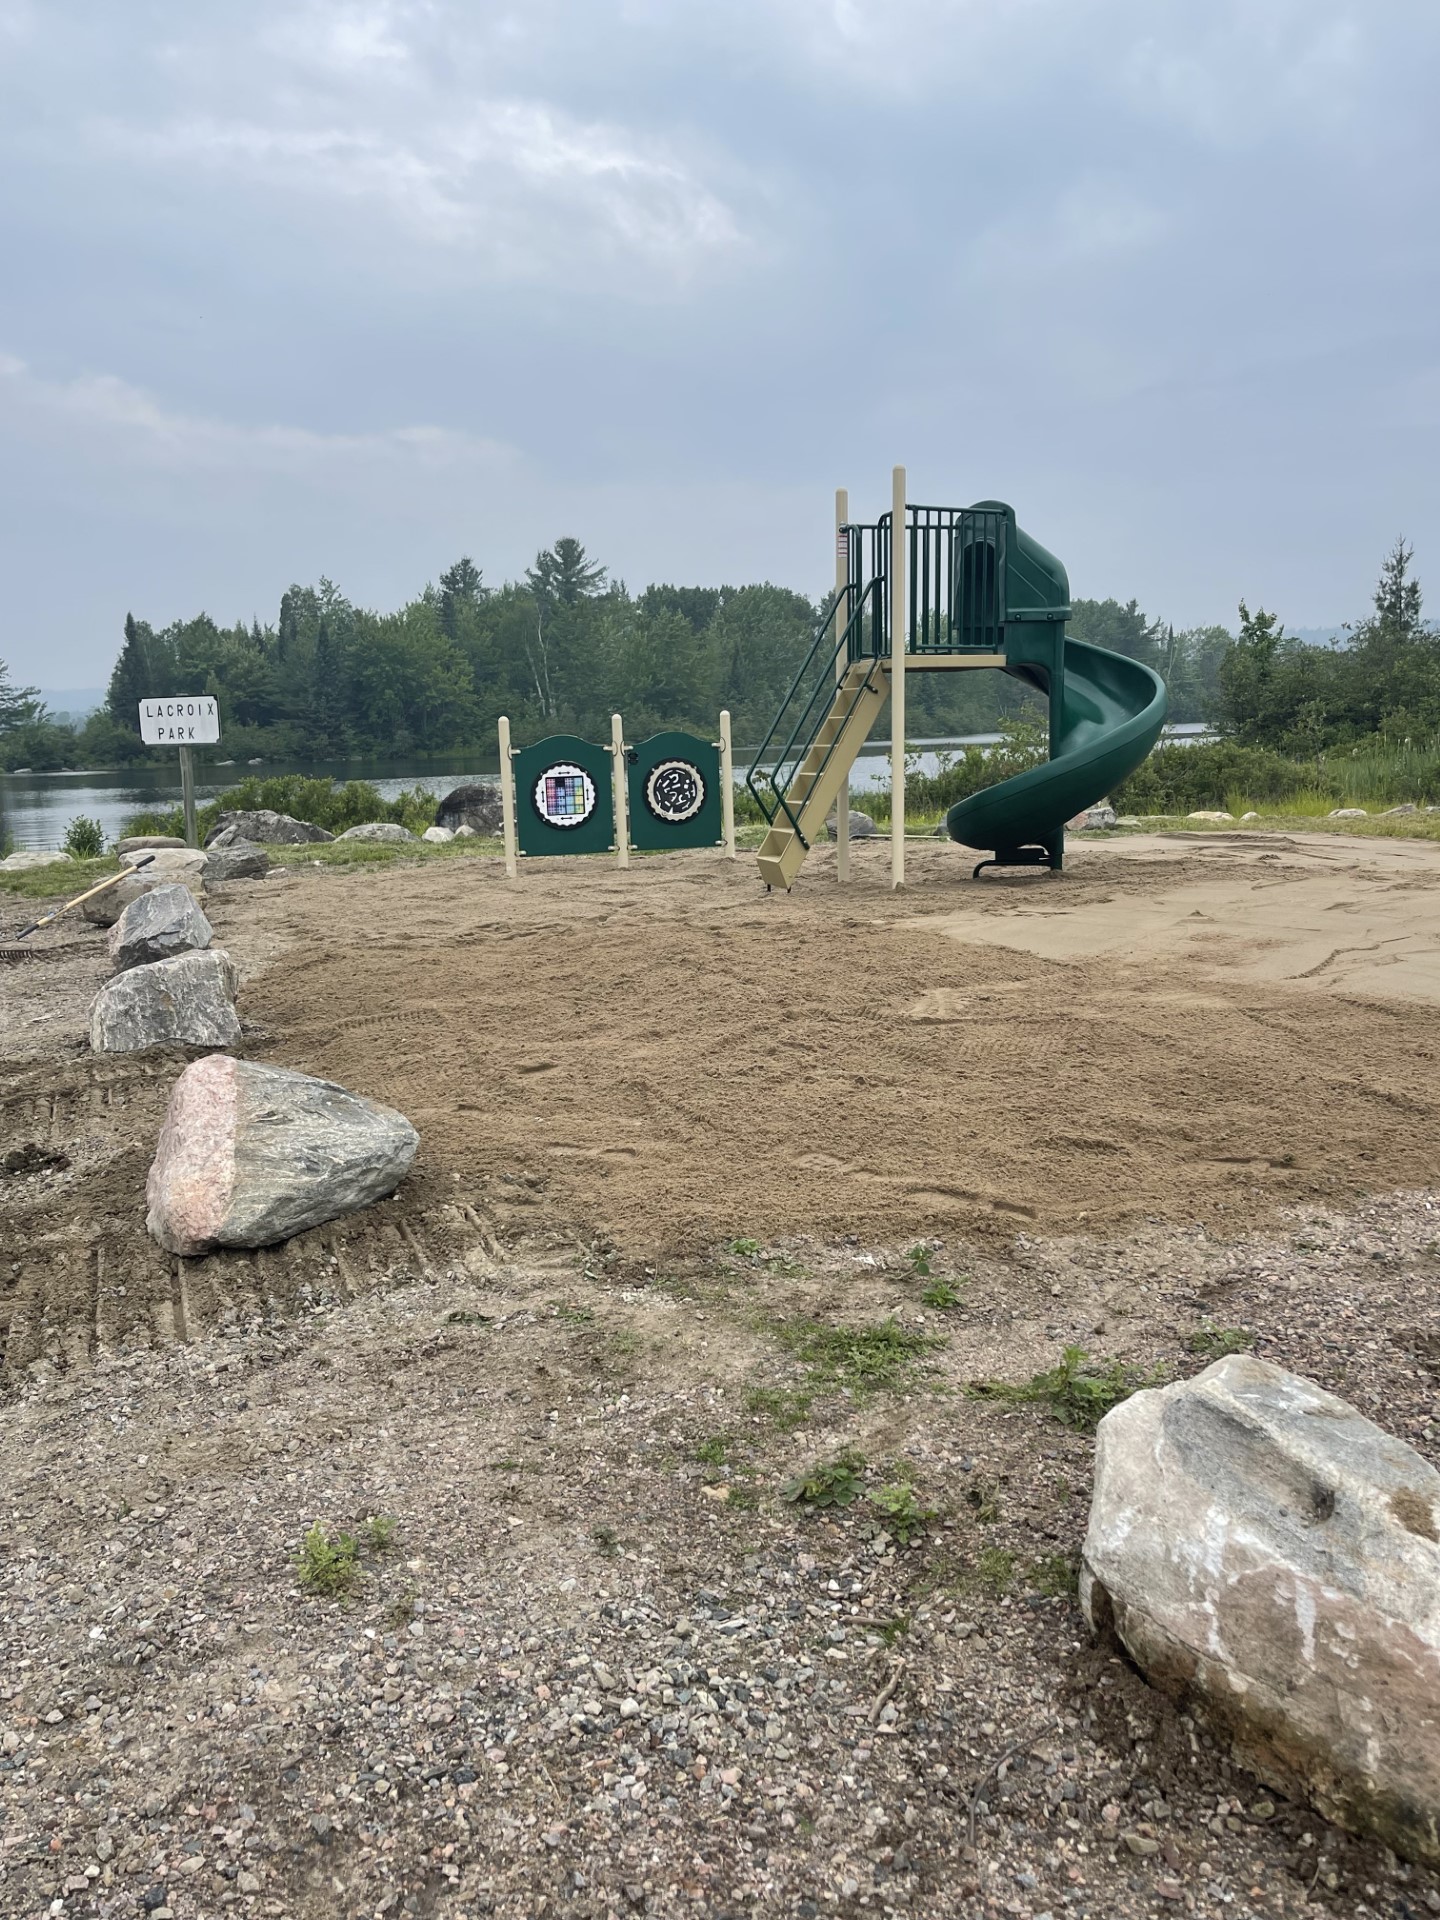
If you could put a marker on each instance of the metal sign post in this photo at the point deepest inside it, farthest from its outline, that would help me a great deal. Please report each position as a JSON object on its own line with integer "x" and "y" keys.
{"x": 184, "y": 721}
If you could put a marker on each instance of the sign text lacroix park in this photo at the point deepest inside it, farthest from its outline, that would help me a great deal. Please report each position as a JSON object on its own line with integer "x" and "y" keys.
{"x": 186, "y": 720}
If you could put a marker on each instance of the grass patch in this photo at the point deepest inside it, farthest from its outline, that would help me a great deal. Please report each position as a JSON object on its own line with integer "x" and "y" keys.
{"x": 1079, "y": 1392}
{"x": 1213, "y": 1343}
{"x": 380, "y": 1532}
{"x": 713, "y": 1452}
{"x": 941, "y": 1294}
{"x": 993, "y": 1571}
{"x": 1055, "y": 1574}
{"x": 982, "y": 1497}
{"x": 856, "y": 1360}
{"x": 63, "y": 877}
{"x": 328, "y": 1567}
{"x": 902, "y": 1514}
{"x": 832, "y": 1483}
{"x": 784, "y": 1408}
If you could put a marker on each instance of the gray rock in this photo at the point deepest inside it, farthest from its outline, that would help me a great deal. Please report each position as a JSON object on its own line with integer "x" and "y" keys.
{"x": 1347, "y": 813}
{"x": 106, "y": 908}
{"x": 161, "y": 923}
{"x": 1092, "y": 819}
{"x": 175, "y": 863}
{"x": 249, "y": 1155}
{"x": 1408, "y": 807}
{"x": 145, "y": 842}
{"x": 18, "y": 862}
{"x": 437, "y": 836}
{"x": 1211, "y": 813}
{"x": 237, "y": 861}
{"x": 185, "y": 1002}
{"x": 263, "y": 827}
{"x": 862, "y": 827}
{"x": 388, "y": 832}
{"x": 1265, "y": 1552}
{"x": 475, "y": 805}
{"x": 466, "y": 833}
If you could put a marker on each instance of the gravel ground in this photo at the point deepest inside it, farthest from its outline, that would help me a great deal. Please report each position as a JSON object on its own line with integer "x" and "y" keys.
{"x": 600, "y": 1665}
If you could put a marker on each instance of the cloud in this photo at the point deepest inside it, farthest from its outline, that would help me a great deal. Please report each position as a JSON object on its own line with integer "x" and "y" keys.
{"x": 116, "y": 417}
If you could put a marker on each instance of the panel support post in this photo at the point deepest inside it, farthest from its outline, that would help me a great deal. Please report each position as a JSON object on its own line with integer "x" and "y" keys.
{"x": 899, "y": 553}
{"x": 187, "y": 795}
{"x": 727, "y": 786}
{"x": 622, "y": 790}
{"x": 842, "y": 612}
{"x": 507, "y": 800}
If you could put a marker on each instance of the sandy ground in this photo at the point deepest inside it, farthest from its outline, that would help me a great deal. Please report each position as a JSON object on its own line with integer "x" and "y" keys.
{"x": 1184, "y": 1085}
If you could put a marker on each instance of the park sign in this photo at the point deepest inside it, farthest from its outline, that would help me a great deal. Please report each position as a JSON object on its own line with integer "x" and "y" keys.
{"x": 186, "y": 720}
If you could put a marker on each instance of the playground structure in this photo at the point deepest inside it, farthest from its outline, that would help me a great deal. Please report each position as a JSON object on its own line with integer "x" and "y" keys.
{"x": 566, "y": 795}
{"x": 963, "y": 587}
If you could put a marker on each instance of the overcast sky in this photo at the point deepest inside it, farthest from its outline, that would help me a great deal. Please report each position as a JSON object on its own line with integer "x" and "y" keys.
{"x": 353, "y": 287}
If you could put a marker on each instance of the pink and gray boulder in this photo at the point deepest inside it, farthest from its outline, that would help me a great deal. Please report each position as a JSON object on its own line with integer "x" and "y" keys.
{"x": 250, "y": 1155}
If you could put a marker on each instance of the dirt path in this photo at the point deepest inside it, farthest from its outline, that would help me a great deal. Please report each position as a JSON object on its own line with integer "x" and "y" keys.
{"x": 604, "y": 1667}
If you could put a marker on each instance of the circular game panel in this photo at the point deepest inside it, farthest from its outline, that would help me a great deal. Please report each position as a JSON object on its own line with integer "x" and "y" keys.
{"x": 675, "y": 791}
{"x": 564, "y": 795}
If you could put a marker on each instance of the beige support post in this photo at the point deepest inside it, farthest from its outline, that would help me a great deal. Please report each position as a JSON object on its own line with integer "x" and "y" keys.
{"x": 507, "y": 801}
{"x": 727, "y": 786}
{"x": 899, "y": 553}
{"x": 622, "y": 790}
{"x": 842, "y": 799}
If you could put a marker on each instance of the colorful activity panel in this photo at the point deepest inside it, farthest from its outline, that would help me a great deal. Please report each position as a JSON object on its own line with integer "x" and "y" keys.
{"x": 564, "y": 797}
{"x": 674, "y": 790}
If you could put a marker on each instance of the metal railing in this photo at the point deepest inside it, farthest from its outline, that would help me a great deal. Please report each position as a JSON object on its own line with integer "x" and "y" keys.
{"x": 955, "y": 603}
{"x": 812, "y": 696}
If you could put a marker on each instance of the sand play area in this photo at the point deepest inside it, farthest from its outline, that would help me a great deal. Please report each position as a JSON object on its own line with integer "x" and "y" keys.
{"x": 681, "y": 1141}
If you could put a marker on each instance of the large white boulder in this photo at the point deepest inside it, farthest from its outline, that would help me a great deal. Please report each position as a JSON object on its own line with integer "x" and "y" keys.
{"x": 157, "y": 926}
{"x": 173, "y": 862}
{"x": 249, "y": 1155}
{"x": 384, "y": 831}
{"x": 33, "y": 857}
{"x": 1263, "y": 1550}
{"x": 185, "y": 1002}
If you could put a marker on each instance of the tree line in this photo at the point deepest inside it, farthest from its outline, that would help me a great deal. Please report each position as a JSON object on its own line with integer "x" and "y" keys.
{"x": 565, "y": 646}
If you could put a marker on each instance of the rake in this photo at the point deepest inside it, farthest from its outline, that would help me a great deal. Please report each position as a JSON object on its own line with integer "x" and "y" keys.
{"x": 17, "y": 953}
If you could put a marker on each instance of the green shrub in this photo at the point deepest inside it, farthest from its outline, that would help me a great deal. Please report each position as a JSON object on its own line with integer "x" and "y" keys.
{"x": 320, "y": 802}
{"x": 836, "y": 1483}
{"x": 1187, "y": 779}
{"x": 327, "y": 1566}
{"x": 84, "y": 838}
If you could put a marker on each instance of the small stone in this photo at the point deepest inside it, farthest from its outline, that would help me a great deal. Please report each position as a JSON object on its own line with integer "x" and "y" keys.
{"x": 1141, "y": 1844}
{"x": 248, "y": 1882}
{"x": 437, "y": 836}
{"x": 153, "y": 1898}
{"x": 1347, "y": 813}
{"x": 1263, "y": 1810}
{"x": 629, "y": 1709}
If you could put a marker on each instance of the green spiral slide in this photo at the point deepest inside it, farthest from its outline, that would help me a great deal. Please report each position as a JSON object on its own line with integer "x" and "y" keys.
{"x": 1106, "y": 718}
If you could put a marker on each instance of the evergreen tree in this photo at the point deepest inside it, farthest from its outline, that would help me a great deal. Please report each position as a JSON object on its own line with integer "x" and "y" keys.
{"x": 18, "y": 705}
{"x": 461, "y": 589}
{"x": 563, "y": 575}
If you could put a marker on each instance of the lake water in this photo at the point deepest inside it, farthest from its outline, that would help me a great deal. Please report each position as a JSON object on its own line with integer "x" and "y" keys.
{"x": 36, "y": 808}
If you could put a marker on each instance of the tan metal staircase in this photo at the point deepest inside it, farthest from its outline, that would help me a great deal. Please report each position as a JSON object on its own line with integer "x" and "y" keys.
{"x": 816, "y": 783}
